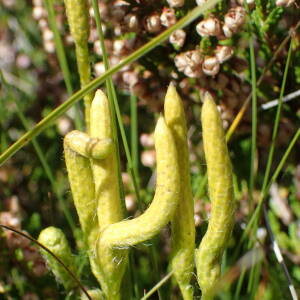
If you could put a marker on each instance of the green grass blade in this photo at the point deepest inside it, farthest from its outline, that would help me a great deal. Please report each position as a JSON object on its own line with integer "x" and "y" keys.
{"x": 156, "y": 267}
{"x": 239, "y": 284}
{"x": 134, "y": 136}
{"x": 157, "y": 286}
{"x": 133, "y": 275}
{"x": 254, "y": 121}
{"x": 56, "y": 113}
{"x": 277, "y": 119}
{"x": 253, "y": 144}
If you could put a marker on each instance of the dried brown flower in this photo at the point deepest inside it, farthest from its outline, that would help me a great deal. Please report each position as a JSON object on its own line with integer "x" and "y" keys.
{"x": 211, "y": 66}
{"x": 209, "y": 27}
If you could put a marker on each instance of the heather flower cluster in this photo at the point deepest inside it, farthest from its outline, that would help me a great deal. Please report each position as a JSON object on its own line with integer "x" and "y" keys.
{"x": 128, "y": 24}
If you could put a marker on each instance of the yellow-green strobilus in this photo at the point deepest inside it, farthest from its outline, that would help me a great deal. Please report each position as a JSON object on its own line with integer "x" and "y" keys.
{"x": 220, "y": 186}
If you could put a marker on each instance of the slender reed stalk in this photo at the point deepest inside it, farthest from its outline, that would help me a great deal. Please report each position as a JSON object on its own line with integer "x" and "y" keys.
{"x": 134, "y": 136}
{"x": 157, "y": 286}
{"x": 253, "y": 123}
{"x": 277, "y": 119}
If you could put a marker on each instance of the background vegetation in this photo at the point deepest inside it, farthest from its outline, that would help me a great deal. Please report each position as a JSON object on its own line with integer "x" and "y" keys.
{"x": 39, "y": 72}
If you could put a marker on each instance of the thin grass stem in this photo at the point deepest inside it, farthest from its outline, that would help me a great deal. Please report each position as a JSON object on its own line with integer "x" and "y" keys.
{"x": 157, "y": 286}
{"x": 134, "y": 135}
{"x": 252, "y": 279}
{"x": 254, "y": 122}
{"x": 277, "y": 119}
{"x": 239, "y": 284}
{"x": 133, "y": 275}
{"x": 156, "y": 268}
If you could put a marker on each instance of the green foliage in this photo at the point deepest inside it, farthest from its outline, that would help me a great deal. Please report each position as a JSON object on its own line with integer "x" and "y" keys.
{"x": 273, "y": 18}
